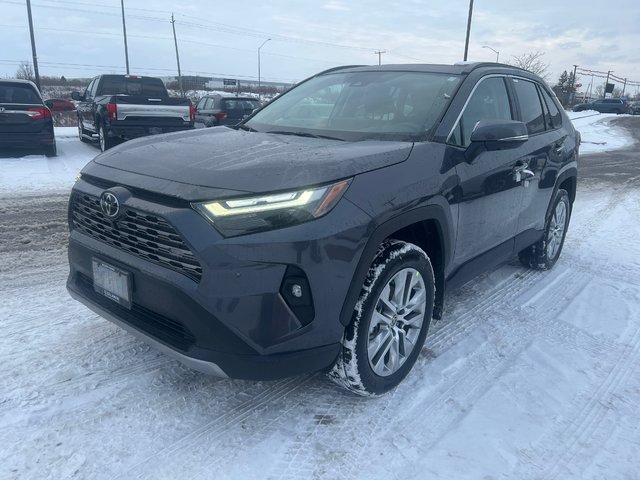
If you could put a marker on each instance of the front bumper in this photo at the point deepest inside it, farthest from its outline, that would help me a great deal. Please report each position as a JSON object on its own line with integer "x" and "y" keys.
{"x": 233, "y": 320}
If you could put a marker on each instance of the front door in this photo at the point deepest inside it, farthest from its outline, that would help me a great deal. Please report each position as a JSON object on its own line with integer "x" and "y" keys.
{"x": 489, "y": 195}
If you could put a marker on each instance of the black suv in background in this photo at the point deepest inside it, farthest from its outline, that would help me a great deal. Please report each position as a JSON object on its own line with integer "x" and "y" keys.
{"x": 213, "y": 110}
{"x": 25, "y": 121}
{"x": 605, "y": 105}
{"x": 322, "y": 232}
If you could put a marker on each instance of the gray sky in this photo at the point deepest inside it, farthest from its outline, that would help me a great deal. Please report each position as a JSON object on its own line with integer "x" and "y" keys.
{"x": 84, "y": 38}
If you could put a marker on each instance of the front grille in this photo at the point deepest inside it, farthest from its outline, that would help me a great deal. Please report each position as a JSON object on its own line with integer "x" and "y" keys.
{"x": 143, "y": 234}
{"x": 170, "y": 331}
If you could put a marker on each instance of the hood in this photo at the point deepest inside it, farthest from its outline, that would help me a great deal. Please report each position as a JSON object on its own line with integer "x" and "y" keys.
{"x": 225, "y": 159}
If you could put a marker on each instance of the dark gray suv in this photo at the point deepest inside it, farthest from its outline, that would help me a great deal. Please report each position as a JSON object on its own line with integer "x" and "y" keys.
{"x": 322, "y": 232}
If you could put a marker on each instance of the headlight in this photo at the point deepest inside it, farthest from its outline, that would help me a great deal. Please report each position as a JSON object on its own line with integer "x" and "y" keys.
{"x": 240, "y": 216}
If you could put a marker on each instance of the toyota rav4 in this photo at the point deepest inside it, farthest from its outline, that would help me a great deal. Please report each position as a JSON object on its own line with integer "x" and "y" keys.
{"x": 322, "y": 232}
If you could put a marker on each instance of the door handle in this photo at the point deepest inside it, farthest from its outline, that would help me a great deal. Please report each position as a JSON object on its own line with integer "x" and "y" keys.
{"x": 521, "y": 173}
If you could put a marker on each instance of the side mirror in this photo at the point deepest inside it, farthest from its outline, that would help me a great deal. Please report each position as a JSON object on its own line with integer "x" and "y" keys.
{"x": 499, "y": 134}
{"x": 76, "y": 96}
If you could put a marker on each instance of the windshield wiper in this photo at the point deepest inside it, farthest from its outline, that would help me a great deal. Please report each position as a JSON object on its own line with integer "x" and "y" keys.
{"x": 245, "y": 127}
{"x": 305, "y": 134}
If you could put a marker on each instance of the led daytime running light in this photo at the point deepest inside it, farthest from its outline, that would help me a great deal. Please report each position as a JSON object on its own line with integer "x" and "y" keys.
{"x": 262, "y": 204}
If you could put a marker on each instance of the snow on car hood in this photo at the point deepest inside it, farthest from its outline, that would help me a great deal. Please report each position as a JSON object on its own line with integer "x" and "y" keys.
{"x": 228, "y": 159}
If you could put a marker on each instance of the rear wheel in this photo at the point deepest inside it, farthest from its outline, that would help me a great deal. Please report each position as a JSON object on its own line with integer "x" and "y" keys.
{"x": 105, "y": 142}
{"x": 390, "y": 321}
{"x": 543, "y": 254}
{"x": 51, "y": 150}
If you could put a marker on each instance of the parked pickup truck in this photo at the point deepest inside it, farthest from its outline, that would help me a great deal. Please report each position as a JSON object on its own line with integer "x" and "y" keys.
{"x": 115, "y": 108}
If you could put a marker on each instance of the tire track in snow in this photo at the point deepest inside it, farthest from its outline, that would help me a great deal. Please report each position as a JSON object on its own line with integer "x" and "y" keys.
{"x": 562, "y": 444}
{"x": 178, "y": 450}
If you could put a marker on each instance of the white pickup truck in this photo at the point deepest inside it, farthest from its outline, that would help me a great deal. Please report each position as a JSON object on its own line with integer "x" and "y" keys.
{"x": 115, "y": 108}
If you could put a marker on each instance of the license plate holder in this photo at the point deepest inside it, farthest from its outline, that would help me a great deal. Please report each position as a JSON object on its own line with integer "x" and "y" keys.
{"x": 112, "y": 282}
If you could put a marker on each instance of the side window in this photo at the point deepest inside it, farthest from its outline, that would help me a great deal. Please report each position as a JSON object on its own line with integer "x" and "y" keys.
{"x": 87, "y": 91}
{"x": 200, "y": 105}
{"x": 489, "y": 101}
{"x": 530, "y": 106}
{"x": 94, "y": 88}
{"x": 555, "y": 120}
{"x": 209, "y": 104}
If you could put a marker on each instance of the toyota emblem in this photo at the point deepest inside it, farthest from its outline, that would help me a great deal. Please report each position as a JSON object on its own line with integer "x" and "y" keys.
{"x": 109, "y": 205}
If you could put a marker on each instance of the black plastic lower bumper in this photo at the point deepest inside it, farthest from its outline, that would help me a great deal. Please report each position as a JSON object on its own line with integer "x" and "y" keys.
{"x": 174, "y": 339}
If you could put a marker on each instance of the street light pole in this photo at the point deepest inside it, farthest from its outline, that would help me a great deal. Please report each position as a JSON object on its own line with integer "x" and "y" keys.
{"x": 494, "y": 51}
{"x": 259, "y": 80}
{"x": 466, "y": 43}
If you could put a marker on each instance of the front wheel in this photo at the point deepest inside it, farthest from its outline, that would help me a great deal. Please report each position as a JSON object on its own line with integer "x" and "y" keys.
{"x": 390, "y": 321}
{"x": 543, "y": 254}
{"x": 81, "y": 132}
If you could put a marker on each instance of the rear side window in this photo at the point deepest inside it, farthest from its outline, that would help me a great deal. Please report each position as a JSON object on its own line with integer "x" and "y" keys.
{"x": 18, "y": 93}
{"x": 554, "y": 119}
{"x": 530, "y": 106}
{"x": 489, "y": 101}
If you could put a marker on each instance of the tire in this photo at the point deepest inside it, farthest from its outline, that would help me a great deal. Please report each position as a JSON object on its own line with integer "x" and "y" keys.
{"x": 104, "y": 141}
{"x": 384, "y": 338}
{"x": 81, "y": 132}
{"x": 51, "y": 150}
{"x": 543, "y": 254}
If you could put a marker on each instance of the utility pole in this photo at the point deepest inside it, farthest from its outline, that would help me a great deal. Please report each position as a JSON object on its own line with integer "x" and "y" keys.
{"x": 33, "y": 46}
{"x": 624, "y": 87}
{"x": 379, "y": 53}
{"x": 175, "y": 40}
{"x": 572, "y": 92}
{"x": 466, "y": 43}
{"x": 606, "y": 84}
{"x": 259, "y": 79}
{"x": 124, "y": 29}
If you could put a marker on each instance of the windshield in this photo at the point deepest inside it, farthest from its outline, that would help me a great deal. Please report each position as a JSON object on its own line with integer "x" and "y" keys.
{"x": 361, "y": 105}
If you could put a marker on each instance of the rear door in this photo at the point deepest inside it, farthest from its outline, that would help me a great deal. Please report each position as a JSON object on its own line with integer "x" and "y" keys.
{"x": 205, "y": 110}
{"x": 547, "y": 148}
{"x": 21, "y": 109}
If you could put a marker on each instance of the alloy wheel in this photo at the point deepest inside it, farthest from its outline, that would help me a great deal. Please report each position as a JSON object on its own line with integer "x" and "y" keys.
{"x": 557, "y": 227}
{"x": 396, "y": 322}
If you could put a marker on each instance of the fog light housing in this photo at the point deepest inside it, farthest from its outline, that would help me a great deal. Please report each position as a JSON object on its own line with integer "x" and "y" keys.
{"x": 296, "y": 292}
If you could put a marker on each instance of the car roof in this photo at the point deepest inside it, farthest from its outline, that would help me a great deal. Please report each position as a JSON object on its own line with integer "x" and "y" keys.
{"x": 221, "y": 96}
{"x": 18, "y": 80}
{"x": 461, "y": 68}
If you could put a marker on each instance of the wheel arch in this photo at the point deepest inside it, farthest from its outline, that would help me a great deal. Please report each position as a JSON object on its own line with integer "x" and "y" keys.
{"x": 427, "y": 227}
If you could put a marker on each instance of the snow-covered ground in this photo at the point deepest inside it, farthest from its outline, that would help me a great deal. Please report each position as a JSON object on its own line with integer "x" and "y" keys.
{"x": 530, "y": 375}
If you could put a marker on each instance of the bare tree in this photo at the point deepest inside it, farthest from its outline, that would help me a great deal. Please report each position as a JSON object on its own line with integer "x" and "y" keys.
{"x": 532, "y": 62}
{"x": 25, "y": 72}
